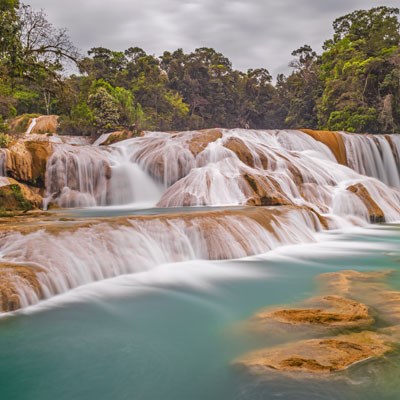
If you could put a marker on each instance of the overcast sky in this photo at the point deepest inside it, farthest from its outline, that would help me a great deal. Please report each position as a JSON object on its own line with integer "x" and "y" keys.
{"x": 251, "y": 33}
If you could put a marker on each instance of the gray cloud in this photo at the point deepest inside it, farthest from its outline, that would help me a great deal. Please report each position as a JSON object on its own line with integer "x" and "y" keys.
{"x": 252, "y": 33}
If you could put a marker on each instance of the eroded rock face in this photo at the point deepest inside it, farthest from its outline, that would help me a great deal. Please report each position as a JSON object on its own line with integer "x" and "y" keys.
{"x": 13, "y": 279}
{"x": 200, "y": 141}
{"x": 376, "y": 215}
{"x": 318, "y": 356}
{"x": 331, "y": 139}
{"x": 26, "y": 161}
{"x": 118, "y": 136}
{"x": 46, "y": 124}
{"x": 327, "y": 311}
{"x": 264, "y": 191}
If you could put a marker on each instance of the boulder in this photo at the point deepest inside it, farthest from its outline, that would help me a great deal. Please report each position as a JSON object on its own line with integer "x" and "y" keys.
{"x": 263, "y": 191}
{"x": 45, "y": 124}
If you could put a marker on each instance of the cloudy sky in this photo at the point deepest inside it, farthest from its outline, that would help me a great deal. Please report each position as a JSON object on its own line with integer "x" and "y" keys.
{"x": 252, "y": 33}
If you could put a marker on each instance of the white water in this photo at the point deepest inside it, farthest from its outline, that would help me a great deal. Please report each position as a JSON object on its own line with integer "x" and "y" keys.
{"x": 77, "y": 256}
{"x": 377, "y": 156}
{"x": 284, "y": 164}
{"x": 88, "y": 176}
{"x": 3, "y": 161}
{"x": 289, "y": 167}
{"x": 31, "y": 126}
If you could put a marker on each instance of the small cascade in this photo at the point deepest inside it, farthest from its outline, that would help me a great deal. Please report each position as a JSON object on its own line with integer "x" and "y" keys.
{"x": 233, "y": 167}
{"x": 77, "y": 176}
{"x": 3, "y": 162}
{"x": 377, "y": 156}
{"x": 68, "y": 257}
{"x": 31, "y": 126}
{"x": 89, "y": 176}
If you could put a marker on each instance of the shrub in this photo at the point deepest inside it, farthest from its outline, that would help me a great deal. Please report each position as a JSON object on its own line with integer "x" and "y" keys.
{"x": 5, "y": 140}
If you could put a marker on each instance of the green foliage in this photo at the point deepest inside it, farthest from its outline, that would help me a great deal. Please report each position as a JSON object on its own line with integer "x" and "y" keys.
{"x": 358, "y": 120}
{"x": 105, "y": 110}
{"x": 5, "y": 140}
{"x": 358, "y": 69}
{"x": 353, "y": 85}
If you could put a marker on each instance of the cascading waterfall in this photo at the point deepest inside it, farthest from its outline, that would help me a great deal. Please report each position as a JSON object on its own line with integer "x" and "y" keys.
{"x": 288, "y": 166}
{"x": 76, "y": 256}
{"x": 88, "y": 176}
{"x": 227, "y": 167}
{"x": 377, "y": 156}
{"x": 315, "y": 187}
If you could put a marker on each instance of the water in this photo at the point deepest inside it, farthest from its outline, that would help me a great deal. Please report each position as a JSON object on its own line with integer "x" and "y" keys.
{"x": 3, "y": 160}
{"x": 173, "y": 332}
{"x": 232, "y": 167}
{"x": 142, "y": 288}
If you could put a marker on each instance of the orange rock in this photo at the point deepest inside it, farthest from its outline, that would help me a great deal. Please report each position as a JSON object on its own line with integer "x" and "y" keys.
{"x": 264, "y": 191}
{"x": 327, "y": 311}
{"x": 333, "y": 140}
{"x": 201, "y": 140}
{"x": 14, "y": 275}
{"x": 26, "y": 161}
{"x": 318, "y": 356}
{"x": 376, "y": 215}
{"x": 46, "y": 124}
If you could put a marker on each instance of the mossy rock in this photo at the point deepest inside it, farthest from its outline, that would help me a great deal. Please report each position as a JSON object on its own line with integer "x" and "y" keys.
{"x": 12, "y": 198}
{"x": 15, "y": 196}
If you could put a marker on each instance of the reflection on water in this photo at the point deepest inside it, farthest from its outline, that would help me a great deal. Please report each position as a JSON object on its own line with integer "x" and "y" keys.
{"x": 172, "y": 333}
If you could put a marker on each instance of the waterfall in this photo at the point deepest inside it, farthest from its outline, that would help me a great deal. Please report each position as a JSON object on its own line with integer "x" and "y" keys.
{"x": 31, "y": 125}
{"x": 318, "y": 180}
{"x": 88, "y": 176}
{"x": 3, "y": 161}
{"x": 234, "y": 167}
{"x": 377, "y": 156}
{"x": 69, "y": 256}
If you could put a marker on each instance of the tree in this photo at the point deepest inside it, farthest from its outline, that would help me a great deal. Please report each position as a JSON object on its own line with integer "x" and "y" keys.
{"x": 357, "y": 69}
{"x": 105, "y": 110}
{"x": 300, "y": 90}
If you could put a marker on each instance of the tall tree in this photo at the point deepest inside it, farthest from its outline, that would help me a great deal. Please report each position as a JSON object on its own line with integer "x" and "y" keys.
{"x": 357, "y": 68}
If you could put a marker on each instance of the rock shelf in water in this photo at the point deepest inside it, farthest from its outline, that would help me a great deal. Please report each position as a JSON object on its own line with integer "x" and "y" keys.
{"x": 326, "y": 355}
{"x": 328, "y": 311}
{"x": 332, "y": 353}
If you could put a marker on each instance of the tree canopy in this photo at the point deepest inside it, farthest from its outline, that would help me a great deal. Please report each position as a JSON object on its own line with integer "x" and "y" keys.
{"x": 353, "y": 85}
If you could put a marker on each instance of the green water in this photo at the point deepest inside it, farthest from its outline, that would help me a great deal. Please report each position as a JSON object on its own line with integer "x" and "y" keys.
{"x": 147, "y": 340}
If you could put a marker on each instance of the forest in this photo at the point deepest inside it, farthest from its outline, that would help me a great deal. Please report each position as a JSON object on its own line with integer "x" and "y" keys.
{"x": 353, "y": 85}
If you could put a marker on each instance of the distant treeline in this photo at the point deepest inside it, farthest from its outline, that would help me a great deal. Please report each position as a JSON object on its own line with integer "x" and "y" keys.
{"x": 354, "y": 85}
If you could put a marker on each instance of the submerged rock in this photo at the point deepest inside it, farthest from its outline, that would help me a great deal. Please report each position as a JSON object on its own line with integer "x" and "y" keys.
{"x": 318, "y": 356}
{"x": 364, "y": 291}
{"x": 327, "y": 311}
